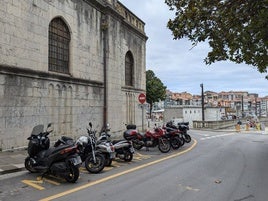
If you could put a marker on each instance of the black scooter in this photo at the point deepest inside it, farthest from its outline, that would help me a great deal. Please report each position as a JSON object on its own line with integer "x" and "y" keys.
{"x": 60, "y": 161}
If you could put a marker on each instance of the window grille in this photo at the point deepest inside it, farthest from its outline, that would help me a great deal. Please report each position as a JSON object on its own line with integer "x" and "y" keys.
{"x": 129, "y": 65}
{"x": 59, "y": 40}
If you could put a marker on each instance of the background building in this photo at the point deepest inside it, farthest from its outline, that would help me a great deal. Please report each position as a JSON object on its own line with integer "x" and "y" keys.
{"x": 218, "y": 106}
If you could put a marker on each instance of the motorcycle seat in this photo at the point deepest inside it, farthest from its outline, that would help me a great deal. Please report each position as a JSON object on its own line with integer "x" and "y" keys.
{"x": 53, "y": 150}
{"x": 116, "y": 141}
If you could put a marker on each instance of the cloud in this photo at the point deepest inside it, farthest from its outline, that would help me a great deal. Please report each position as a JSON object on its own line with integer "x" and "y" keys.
{"x": 181, "y": 67}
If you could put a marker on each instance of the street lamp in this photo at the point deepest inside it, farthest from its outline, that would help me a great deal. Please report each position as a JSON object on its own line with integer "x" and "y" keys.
{"x": 203, "y": 105}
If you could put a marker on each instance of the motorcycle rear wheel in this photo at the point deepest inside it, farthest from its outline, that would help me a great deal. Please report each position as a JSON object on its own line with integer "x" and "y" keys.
{"x": 28, "y": 165}
{"x": 95, "y": 167}
{"x": 164, "y": 145}
{"x": 73, "y": 174}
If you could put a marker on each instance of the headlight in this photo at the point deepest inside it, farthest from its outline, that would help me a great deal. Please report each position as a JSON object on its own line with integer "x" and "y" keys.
{"x": 83, "y": 140}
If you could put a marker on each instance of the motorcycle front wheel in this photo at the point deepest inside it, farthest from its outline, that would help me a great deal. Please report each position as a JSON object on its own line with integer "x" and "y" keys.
{"x": 28, "y": 165}
{"x": 97, "y": 166}
{"x": 73, "y": 174}
{"x": 164, "y": 145}
{"x": 187, "y": 138}
{"x": 182, "y": 139}
{"x": 108, "y": 162}
{"x": 137, "y": 146}
{"x": 128, "y": 156}
{"x": 176, "y": 142}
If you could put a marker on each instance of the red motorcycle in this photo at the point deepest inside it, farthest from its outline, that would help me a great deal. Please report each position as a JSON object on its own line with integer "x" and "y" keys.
{"x": 151, "y": 138}
{"x": 175, "y": 137}
{"x": 182, "y": 128}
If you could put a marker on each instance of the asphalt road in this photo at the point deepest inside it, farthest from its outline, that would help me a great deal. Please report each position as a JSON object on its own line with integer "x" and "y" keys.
{"x": 213, "y": 167}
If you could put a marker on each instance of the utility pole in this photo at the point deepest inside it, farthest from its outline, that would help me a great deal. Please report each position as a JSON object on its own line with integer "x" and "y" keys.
{"x": 243, "y": 107}
{"x": 203, "y": 104}
{"x": 256, "y": 107}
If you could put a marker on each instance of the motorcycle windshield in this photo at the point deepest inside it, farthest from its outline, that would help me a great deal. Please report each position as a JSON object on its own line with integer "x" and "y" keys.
{"x": 37, "y": 129}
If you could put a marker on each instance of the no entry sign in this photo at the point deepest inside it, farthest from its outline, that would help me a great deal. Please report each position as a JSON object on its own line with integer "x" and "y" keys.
{"x": 142, "y": 98}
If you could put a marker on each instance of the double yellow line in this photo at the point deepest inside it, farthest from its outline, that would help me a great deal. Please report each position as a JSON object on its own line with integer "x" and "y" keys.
{"x": 118, "y": 174}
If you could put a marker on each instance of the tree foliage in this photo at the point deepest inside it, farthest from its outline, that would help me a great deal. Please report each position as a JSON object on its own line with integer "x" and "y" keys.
{"x": 155, "y": 89}
{"x": 236, "y": 30}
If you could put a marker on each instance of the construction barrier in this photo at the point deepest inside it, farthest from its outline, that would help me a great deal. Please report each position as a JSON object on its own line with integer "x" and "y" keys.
{"x": 266, "y": 130}
{"x": 237, "y": 127}
{"x": 258, "y": 126}
{"x": 247, "y": 127}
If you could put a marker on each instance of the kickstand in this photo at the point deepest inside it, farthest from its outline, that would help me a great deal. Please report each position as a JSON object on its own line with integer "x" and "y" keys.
{"x": 43, "y": 175}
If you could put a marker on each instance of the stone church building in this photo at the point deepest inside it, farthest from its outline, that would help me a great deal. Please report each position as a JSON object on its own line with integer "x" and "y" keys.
{"x": 69, "y": 62}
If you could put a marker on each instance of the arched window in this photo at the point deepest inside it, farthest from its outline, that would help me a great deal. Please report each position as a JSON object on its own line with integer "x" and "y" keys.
{"x": 129, "y": 66}
{"x": 59, "y": 41}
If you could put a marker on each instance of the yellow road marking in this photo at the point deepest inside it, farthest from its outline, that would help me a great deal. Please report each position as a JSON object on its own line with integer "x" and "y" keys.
{"x": 108, "y": 168}
{"x": 82, "y": 169}
{"x": 39, "y": 180}
{"x": 51, "y": 181}
{"x": 59, "y": 179}
{"x": 34, "y": 183}
{"x": 140, "y": 157}
{"x": 118, "y": 174}
{"x": 115, "y": 164}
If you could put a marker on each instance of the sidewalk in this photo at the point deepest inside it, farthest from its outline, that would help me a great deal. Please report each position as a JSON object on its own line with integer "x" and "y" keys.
{"x": 12, "y": 161}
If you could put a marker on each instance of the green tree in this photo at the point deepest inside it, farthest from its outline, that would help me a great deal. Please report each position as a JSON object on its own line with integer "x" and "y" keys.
{"x": 155, "y": 89}
{"x": 236, "y": 30}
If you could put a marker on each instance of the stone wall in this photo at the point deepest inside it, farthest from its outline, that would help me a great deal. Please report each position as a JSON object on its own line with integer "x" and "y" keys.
{"x": 26, "y": 101}
{"x": 100, "y": 39}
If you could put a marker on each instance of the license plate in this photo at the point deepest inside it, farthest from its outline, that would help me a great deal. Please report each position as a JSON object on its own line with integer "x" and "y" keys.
{"x": 77, "y": 160}
{"x": 131, "y": 150}
{"x": 112, "y": 155}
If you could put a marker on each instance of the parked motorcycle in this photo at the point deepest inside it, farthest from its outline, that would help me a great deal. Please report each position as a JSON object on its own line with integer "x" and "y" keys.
{"x": 183, "y": 128}
{"x": 94, "y": 160}
{"x": 151, "y": 138}
{"x": 106, "y": 147}
{"x": 175, "y": 137}
{"x": 123, "y": 148}
{"x": 60, "y": 161}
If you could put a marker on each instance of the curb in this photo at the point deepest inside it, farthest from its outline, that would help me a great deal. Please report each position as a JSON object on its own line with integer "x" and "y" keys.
{"x": 12, "y": 169}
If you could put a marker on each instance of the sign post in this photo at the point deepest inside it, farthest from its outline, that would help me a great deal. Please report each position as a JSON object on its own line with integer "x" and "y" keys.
{"x": 142, "y": 99}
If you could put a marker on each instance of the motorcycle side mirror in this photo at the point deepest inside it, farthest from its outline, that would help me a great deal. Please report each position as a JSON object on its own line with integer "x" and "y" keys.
{"x": 107, "y": 127}
{"x": 90, "y": 124}
{"x": 49, "y": 127}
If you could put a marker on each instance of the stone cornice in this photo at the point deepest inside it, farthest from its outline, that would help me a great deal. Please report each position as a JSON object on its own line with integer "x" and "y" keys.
{"x": 25, "y": 72}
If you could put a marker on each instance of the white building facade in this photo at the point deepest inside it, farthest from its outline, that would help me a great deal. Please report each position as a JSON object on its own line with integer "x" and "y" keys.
{"x": 192, "y": 113}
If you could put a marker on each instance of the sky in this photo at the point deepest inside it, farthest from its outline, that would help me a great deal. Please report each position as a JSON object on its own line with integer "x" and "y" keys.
{"x": 180, "y": 66}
